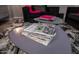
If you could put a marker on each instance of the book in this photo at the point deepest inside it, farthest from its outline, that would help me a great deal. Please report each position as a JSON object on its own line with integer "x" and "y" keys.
{"x": 45, "y": 18}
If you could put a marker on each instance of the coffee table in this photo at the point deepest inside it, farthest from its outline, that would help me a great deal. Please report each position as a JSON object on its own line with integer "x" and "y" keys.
{"x": 60, "y": 45}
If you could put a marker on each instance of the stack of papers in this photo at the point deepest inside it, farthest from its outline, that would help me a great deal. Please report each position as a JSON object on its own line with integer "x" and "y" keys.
{"x": 41, "y": 33}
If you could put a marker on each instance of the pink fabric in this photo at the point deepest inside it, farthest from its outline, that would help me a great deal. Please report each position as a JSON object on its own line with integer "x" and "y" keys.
{"x": 47, "y": 17}
{"x": 77, "y": 14}
{"x": 32, "y": 11}
{"x": 35, "y": 11}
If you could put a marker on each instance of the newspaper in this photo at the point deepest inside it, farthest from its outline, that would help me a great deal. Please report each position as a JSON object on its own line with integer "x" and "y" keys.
{"x": 41, "y": 33}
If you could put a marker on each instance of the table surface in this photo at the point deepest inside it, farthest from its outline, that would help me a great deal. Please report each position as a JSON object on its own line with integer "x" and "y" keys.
{"x": 60, "y": 45}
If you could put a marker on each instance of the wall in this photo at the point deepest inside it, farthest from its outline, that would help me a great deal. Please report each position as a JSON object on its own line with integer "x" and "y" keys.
{"x": 3, "y": 10}
{"x": 15, "y": 11}
{"x": 3, "y": 13}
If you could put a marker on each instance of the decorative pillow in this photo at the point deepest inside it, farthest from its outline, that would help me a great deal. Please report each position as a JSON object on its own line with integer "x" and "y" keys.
{"x": 47, "y": 17}
{"x": 32, "y": 11}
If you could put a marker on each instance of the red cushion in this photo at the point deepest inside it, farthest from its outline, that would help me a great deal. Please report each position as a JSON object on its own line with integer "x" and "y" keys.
{"x": 32, "y": 11}
{"x": 47, "y": 17}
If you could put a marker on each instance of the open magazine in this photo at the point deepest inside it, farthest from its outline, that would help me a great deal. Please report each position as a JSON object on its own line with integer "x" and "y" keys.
{"x": 41, "y": 33}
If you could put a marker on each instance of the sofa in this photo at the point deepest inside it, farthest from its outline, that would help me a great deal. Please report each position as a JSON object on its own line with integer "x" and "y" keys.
{"x": 28, "y": 17}
{"x": 72, "y": 17}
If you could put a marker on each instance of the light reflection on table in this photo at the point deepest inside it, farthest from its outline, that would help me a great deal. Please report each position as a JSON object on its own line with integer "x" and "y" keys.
{"x": 18, "y": 30}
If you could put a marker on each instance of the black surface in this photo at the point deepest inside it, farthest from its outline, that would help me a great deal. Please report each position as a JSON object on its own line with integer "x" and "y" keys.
{"x": 71, "y": 17}
{"x": 3, "y": 19}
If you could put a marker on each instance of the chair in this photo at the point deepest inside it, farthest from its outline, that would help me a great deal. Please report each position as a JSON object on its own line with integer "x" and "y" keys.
{"x": 72, "y": 17}
{"x": 30, "y": 12}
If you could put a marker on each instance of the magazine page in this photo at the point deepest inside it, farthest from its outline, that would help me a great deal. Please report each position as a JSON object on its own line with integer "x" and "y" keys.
{"x": 40, "y": 33}
{"x": 41, "y": 28}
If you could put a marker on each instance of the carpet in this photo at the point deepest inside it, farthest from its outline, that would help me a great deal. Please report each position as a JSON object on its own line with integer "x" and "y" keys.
{"x": 8, "y": 47}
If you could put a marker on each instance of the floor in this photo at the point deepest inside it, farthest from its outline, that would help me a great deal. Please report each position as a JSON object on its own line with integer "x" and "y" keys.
{"x": 7, "y": 47}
